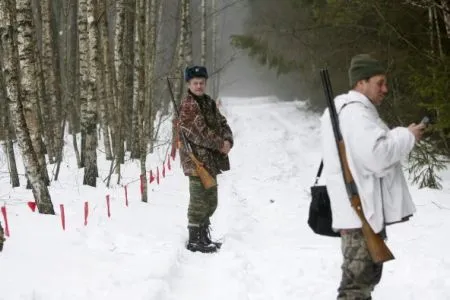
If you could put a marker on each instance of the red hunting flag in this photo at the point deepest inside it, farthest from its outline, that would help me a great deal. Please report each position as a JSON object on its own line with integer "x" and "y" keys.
{"x": 63, "y": 216}
{"x": 126, "y": 195}
{"x": 152, "y": 178}
{"x": 86, "y": 213}
{"x": 5, "y": 218}
{"x": 32, "y": 205}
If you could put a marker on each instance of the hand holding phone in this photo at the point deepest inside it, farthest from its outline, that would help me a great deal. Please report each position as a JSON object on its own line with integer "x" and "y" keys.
{"x": 418, "y": 129}
{"x": 425, "y": 121}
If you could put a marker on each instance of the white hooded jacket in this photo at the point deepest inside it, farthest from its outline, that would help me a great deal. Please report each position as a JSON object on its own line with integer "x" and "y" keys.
{"x": 374, "y": 154}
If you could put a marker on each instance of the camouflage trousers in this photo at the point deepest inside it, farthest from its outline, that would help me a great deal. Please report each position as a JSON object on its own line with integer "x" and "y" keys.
{"x": 202, "y": 202}
{"x": 359, "y": 274}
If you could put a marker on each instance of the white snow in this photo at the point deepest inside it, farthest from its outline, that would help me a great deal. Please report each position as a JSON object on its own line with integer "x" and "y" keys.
{"x": 269, "y": 252}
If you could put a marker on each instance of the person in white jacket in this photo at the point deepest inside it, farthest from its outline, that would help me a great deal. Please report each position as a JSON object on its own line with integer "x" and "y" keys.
{"x": 374, "y": 154}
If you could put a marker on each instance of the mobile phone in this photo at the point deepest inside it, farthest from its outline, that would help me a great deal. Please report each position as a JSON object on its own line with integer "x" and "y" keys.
{"x": 425, "y": 121}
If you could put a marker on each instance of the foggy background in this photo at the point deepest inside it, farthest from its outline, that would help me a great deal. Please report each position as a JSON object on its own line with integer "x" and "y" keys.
{"x": 245, "y": 77}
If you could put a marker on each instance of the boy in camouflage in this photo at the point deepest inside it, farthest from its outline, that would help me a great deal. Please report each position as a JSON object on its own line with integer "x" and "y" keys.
{"x": 211, "y": 139}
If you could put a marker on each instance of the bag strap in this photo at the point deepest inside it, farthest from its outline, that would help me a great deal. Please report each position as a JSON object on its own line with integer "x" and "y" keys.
{"x": 319, "y": 172}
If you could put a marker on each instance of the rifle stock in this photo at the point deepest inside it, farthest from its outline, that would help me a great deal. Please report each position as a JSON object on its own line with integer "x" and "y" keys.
{"x": 207, "y": 180}
{"x": 376, "y": 246}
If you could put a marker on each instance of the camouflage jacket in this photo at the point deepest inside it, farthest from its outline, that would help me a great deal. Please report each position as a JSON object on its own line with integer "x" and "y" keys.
{"x": 206, "y": 129}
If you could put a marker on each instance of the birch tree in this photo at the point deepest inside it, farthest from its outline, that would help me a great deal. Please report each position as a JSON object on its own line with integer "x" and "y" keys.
{"x": 52, "y": 91}
{"x": 6, "y": 130}
{"x": 119, "y": 82}
{"x": 139, "y": 91}
{"x": 150, "y": 73}
{"x": 180, "y": 53}
{"x": 214, "y": 37}
{"x": 17, "y": 72}
{"x": 83, "y": 61}
{"x": 203, "y": 34}
{"x": 89, "y": 118}
{"x": 128, "y": 60}
{"x": 29, "y": 79}
{"x": 188, "y": 39}
{"x": 105, "y": 85}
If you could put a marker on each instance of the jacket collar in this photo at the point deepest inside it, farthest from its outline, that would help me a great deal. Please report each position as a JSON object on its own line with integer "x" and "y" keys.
{"x": 363, "y": 99}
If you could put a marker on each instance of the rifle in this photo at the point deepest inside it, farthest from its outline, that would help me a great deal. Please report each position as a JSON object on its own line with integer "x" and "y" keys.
{"x": 376, "y": 246}
{"x": 207, "y": 180}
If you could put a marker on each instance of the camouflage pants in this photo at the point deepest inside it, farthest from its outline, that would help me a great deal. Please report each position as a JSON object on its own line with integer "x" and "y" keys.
{"x": 202, "y": 203}
{"x": 359, "y": 274}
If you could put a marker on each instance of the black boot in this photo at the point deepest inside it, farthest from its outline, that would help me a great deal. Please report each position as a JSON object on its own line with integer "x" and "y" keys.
{"x": 197, "y": 242}
{"x": 206, "y": 235}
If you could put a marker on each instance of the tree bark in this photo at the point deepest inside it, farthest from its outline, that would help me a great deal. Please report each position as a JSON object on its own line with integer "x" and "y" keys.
{"x": 52, "y": 91}
{"x": 203, "y": 34}
{"x": 139, "y": 91}
{"x": 89, "y": 120}
{"x": 83, "y": 50}
{"x": 178, "y": 82}
{"x": 188, "y": 32}
{"x": 6, "y": 133}
{"x": 104, "y": 77}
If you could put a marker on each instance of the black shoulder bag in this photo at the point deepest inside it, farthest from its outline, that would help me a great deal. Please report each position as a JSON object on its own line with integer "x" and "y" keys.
{"x": 320, "y": 218}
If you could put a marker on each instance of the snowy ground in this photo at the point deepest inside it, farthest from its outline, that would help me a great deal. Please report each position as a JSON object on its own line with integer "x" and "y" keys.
{"x": 269, "y": 251}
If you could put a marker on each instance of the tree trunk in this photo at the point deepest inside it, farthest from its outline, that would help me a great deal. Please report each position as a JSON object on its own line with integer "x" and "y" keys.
{"x": 150, "y": 64}
{"x": 178, "y": 82}
{"x": 139, "y": 79}
{"x": 164, "y": 101}
{"x": 438, "y": 33}
{"x": 203, "y": 34}
{"x": 188, "y": 32}
{"x": 29, "y": 80}
{"x": 101, "y": 82}
{"x": 83, "y": 50}
{"x": 12, "y": 67}
{"x": 6, "y": 133}
{"x": 52, "y": 91}
{"x": 89, "y": 120}
{"x": 128, "y": 58}
{"x": 139, "y": 89}
{"x": 107, "y": 100}
{"x": 120, "y": 81}
{"x": 215, "y": 79}
{"x": 446, "y": 12}
{"x": 8, "y": 148}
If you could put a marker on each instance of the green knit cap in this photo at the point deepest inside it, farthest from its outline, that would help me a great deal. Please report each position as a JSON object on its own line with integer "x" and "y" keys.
{"x": 363, "y": 66}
